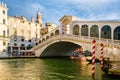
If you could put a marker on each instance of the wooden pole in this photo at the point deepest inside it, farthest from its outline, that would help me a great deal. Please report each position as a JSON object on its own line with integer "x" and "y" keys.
{"x": 102, "y": 47}
{"x": 93, "y": 57}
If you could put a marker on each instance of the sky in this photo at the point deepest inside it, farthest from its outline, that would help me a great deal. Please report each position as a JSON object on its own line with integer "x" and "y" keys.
{"x": 53, "y": 10}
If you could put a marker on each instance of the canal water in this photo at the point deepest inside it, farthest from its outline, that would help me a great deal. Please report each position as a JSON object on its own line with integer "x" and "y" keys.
{"x": 48, "y": 69}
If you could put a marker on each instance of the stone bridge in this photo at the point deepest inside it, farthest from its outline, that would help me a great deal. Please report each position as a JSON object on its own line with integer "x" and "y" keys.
{"x": 57, "y": 44}
{"x": 73, "y": 33}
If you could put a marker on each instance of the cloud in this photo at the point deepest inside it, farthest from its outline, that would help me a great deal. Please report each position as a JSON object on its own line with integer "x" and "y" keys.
{"x": 92, "y": 1}
{"x": 111, "y": 16}
{"x": 52, "y": 11}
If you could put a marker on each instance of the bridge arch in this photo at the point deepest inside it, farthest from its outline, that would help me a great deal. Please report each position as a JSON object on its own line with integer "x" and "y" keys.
{"x": 84, "y": 30}
{"x": 76, "y": 30}
{"x": 117, "y": 33}
{"x": 59, "y": 44}
{"x": 94, "y": 31}
{"x": 106, "y": 32}
{"x": 60, "y": 48}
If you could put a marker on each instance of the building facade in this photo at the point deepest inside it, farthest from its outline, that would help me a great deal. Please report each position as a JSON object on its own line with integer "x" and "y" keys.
{"x": 17, "y": 34}
{"x": 3, "y": 27}
{"x": 23, "y": 34}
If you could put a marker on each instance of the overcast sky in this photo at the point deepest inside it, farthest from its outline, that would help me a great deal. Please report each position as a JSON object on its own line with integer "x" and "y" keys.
{"x": 53, "y": 10}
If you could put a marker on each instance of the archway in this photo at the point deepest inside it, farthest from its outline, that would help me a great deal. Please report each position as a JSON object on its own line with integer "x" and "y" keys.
{"x": 84, "y": 30}
{"x": 51, "y": 35}
{"x": 47, "y": 37}
{"x": 76, "y": 30}
{"x": 22, "y": 47}
{"x": 57, "y": 32}
{"x": 59, "y": 49}
{"x": 94, "y": 31}
{"x": 106, "y": 32}
{"x": 117, "y": 33}
{"x": 43, "y": 39}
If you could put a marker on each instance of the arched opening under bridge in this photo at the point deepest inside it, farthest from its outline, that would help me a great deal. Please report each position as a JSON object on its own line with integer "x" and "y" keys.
{"x": 59, "y": 49}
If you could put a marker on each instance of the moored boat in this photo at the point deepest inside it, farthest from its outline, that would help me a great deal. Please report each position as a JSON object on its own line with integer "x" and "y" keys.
{"x": 81, "y": 55}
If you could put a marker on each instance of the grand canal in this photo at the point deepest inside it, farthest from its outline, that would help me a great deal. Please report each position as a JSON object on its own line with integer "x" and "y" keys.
{"x": 48, "y": 69}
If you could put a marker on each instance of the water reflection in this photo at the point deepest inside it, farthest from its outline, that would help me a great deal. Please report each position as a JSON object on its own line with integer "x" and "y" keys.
{"x": 47, "y": 69}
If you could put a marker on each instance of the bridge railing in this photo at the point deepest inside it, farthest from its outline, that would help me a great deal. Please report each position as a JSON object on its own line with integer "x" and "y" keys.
{"x": 48, "y": 34}
{"x": 79, "y": 38}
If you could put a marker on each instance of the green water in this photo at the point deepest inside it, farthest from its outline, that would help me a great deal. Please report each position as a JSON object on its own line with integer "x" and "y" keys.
{"x": 48, "y": 69}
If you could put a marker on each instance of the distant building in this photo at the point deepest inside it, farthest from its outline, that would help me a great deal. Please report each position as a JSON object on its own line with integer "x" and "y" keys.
{"x": 19, "y": 34}
{"x": 23, "y": 33}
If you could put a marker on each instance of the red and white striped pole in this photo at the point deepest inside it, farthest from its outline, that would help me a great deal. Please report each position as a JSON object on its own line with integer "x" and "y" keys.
{"x": 102, "y": 46}
{"x": 93, "y": 57}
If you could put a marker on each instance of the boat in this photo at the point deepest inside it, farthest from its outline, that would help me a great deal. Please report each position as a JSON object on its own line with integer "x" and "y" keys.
{"x": 81, "y": 55}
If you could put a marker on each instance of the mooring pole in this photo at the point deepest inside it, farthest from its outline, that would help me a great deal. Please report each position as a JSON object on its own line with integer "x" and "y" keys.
{"x": 93, "y": 57}
{"x": 101, "y": 50}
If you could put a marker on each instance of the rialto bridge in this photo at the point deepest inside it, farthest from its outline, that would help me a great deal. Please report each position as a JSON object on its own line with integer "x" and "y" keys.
{"x": 73, "y": 33}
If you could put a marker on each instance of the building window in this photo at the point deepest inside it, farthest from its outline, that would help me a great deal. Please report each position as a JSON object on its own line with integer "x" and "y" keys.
{"x": 22, "y": 40}
{"x": 29, "y": 40}
{"x": 3, "y": 11}
{"x": 3, "y": 21}
{"x": 4, "y": 50}
{"x": 4, "y": 43}
{"x": 4, "y": 33}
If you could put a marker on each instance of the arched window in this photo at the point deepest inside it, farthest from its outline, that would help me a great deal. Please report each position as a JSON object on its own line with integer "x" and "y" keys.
{"x": 57, "y": 32}
{"x": 22, "y": 45}
{"x": 29, "y": 47}
{"x": 106, "y": 32}
{"x": 3, "y": 11}
{"x": 4, "y": 21}
{"x": 84, "y": 30}
{"x": 4, "y": 33}
{"x": 117, "y": 33}
{"x": 94, "y": 31}
{"x": 76, "y": 30}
